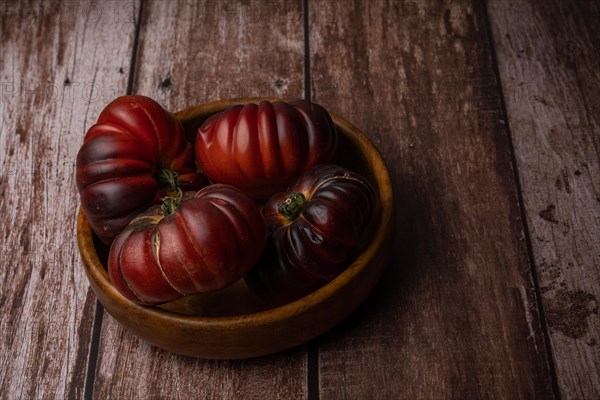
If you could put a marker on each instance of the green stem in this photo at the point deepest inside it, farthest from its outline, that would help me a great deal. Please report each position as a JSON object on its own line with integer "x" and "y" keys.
{"x": 170, "y": 203}
{"x": 292, "y": 206}
{"x": 169, "y": 177}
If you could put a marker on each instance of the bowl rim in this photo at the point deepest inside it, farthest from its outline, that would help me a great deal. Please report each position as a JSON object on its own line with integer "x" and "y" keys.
{"x": 98, "y": 272}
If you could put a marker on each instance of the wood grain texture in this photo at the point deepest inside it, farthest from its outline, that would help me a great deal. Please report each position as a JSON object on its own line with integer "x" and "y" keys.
{"x": 194, "y": 52}
{"x": 455, "y": 315}
{"x": 189, "y": 53}
{"x": 129, "y": 368}
{"x": 58, "y": 64}
{"x": 549, "y": 58}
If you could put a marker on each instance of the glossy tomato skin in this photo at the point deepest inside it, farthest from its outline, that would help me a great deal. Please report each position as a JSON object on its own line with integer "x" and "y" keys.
{"x": 306, "y": 251}
{"x": 261, "y": 148}
{"x": 121, "y": 156}
{"x": 209, "y": 242}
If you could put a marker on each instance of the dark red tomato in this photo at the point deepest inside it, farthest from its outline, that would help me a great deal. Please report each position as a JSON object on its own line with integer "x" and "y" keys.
{"x": 315, "y": 228}
{"x": 134, "y": 154}
{"x": 205, "y": 243}
{"x": 261, "y": 148}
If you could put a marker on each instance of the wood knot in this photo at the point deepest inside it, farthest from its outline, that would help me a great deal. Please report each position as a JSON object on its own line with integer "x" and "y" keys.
{"x": 165, "y": 83}
{"x": 548, "y": 214}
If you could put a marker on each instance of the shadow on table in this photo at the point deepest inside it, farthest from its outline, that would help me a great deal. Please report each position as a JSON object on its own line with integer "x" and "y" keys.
{"x": 419, "y": 245}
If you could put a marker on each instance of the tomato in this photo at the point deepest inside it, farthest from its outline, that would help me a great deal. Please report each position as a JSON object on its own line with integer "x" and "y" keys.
{"x": 315, "y": 228}
{"x": 204, "y": 243}
{"x": 261, "y": 148}
{"x": 134, "y": 154}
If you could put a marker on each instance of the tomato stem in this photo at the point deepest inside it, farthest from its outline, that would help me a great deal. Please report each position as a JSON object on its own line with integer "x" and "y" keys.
{"x": 169, "y": 177}
{"x": 170, "y": 203}
{"x": 292, "y": 206}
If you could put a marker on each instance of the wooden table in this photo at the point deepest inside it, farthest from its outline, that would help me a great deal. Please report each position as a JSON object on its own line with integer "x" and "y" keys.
{"x": 487, "y": 113}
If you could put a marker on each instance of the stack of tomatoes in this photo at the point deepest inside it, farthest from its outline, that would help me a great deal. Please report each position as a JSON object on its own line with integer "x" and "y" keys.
{"x": 257, "y": 196}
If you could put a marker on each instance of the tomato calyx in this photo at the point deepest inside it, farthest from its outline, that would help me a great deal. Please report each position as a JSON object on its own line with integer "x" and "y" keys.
{"x": 167, "y": 176}
{"x": 170, "y": 203}
{"x": 292, "y": 206}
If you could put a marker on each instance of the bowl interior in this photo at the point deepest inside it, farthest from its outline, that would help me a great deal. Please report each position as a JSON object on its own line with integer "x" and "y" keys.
{"x": 238, "y": 299}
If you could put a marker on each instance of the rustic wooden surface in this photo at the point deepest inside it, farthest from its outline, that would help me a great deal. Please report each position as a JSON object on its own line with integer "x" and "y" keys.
{"x": 457, "y": 305}
{"x": 58, "y": 68}
{"x": 487, "y": 115}
{"x": 555, "y": 124}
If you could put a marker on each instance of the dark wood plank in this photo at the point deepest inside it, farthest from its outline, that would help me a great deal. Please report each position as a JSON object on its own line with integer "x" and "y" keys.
{"x": 192, "y": 52}
{"x": 549, "y": 63}
{"x": 455, "y": 315}
{"x": 59, "y": 63}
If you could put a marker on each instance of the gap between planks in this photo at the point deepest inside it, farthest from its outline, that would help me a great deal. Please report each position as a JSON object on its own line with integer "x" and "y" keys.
{"x": 515, "y": 168}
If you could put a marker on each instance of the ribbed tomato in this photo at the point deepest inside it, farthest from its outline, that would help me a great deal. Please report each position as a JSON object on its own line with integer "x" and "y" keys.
{"x": 134, "y": 154}
{"x": 261, "y": 148}
{"x": 315, "y": 228}
{"x": 204, "y": 243}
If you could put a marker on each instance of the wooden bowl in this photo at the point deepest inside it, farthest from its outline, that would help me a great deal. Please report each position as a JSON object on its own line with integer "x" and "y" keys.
{"x": 233, "y": 323}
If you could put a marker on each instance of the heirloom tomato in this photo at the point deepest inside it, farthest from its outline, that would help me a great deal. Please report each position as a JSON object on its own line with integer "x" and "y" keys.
{"x": 197, "y": 243}
{"x": 315, "y": 228}
{"x": 261, "y": 148}
{"x": 134, "y": 154}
